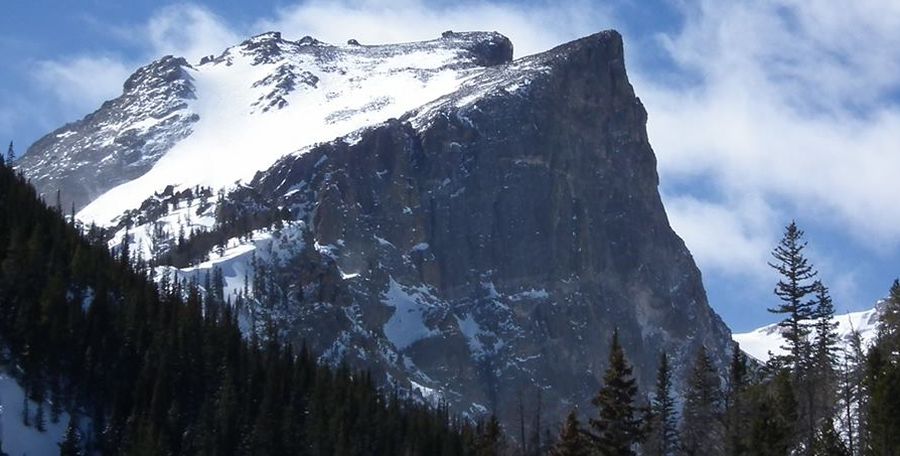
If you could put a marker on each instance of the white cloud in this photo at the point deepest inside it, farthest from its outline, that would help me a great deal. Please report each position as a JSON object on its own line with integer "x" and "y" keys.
{"x": 79, "y": 84}
{"x": 792, "y": 104}
{"x": 188, "y": 31}
{"x": 732, "y": 239}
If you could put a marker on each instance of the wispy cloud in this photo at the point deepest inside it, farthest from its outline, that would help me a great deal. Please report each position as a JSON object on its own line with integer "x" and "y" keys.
{"x": 188, "y": 31}
{"x": 793, "y": 103}
{"x": 79, "y": 83}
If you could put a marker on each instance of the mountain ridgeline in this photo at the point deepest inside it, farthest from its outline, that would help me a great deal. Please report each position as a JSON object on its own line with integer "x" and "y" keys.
{"x": 474, "y": 238}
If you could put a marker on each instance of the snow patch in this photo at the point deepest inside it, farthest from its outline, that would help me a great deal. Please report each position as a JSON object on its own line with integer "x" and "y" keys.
{"x": 407, "y": 325}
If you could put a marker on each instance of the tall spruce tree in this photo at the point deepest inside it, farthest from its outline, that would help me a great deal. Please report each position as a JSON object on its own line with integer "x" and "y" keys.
{"x": 883, "y": 381}
{"x": 71, "y": 444}
{"x": 617, "y": 430}
{"x": 822, "y": 382}
{"x": 825, "y": 344}
{"x": 662, "y": 438}
{"x": 702, "y": 431}
{"x": 828, "y": 442}
{"x": 572, "y": 440}
{"x": 10, "y": 155}
{"x": 490, "y": 438}
{"x": 856, "y": 394}
{"x": 736, "y": 412}
{"x": 793, "y": 288}
{"x": 889, "y": 321}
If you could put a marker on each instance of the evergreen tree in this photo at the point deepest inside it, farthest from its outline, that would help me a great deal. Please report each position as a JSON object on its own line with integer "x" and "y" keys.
{"x": 882, "y": 381}
{"x": 40, "y": 421}
{"x": 792, "y": 289}
{"x": 572, "y": 440}
{"x": 71, "y": 444}
{"x": 736, "y": 412}
{"x": 855, "y": 394}
{"x": 618, "y": 428}
{"x": 490, "y": 439}
{"x": 889, "y": 321}
{"x": 825, "y": 344}
{"x": 828, "y": 442}
{"x": 884, "y": 407}
{"x": 701, "y": 425}
{"x": 26, "y": 412}
{"x": 772, "y": 416}
{"x": 10, "y": 155}
{"x": 662, "y": 439}
{"x": 822, "y": 382}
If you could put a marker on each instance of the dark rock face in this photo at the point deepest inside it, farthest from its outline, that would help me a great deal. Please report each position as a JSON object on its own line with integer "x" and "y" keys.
{"x": 480, "y": 248}
{"x": 490, "y": 248}
{"x": 120, "y": 141}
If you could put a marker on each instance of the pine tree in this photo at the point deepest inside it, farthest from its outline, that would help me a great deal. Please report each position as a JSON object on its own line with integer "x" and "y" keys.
{"x": 736, "y": 413}
{"x": 825, "y": 344}
{"x": 889, "y": 321}
{"x": 792, "y": 289}
{"x": 662, "y": 439}
{"x": 821, "y": 384}
{"x": 618, "y": 428}
{"x": 490, "y": 439}
{"x": 828, "y": 442}
{"x": 882, "y": 381}
{"x": 572, "y": 439}
{"x": 701, "y": 424}
{"x": 772, "y": 416}
{"x": 40, "y": 421}
{"x": 10, "y": 155}
{"x": 26, "y": 412}
{"x": 856, "y": 394}
{"x": 71, "y": 444}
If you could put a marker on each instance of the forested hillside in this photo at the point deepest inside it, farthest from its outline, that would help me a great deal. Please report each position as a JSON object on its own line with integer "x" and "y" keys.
{"x": 165, "y": 370}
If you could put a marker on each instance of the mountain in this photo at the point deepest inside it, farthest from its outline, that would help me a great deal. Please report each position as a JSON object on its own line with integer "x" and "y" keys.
{"x": 763, "y": 342}
{"x": 470, "y": 227}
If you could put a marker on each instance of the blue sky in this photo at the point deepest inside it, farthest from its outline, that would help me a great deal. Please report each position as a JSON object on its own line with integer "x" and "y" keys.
{"x": 759, "y": 112}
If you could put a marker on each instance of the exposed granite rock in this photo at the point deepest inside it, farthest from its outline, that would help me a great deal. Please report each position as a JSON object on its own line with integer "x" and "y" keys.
{"x": 490, "y": 242}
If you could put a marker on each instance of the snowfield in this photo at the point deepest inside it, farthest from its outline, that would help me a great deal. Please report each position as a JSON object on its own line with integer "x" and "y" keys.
{"x": 269, "y": 97}
{"x": 764, "y": 342}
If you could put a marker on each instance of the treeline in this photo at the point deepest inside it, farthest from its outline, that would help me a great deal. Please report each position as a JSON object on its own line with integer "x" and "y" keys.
{"x": 236, "y": 216}
{"x": 165, "y": 369}
{"x": 817, "y": 399}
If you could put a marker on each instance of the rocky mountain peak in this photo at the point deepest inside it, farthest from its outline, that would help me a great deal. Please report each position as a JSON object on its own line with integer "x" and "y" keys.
{"x": 167, "y": 72}
{"x": 467, "y": 226}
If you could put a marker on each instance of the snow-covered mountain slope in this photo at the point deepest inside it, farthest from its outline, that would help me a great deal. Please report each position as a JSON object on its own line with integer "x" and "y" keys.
{"x": 226, "y": 118}
{"x": 764, "y": 342}
{"x": 16, "y": 437}
{"x": 118, "y": 142}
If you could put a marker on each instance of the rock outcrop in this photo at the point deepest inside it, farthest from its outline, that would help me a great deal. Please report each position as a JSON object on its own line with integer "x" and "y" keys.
{"x": 490, "y": 242}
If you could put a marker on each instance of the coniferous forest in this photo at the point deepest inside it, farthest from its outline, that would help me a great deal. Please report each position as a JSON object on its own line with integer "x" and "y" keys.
{"x": 164, "y": 369}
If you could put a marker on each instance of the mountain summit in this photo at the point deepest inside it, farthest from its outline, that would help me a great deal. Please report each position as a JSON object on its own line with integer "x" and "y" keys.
{"x": 228, "y": 116}
{"x": 471, "y": 228}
